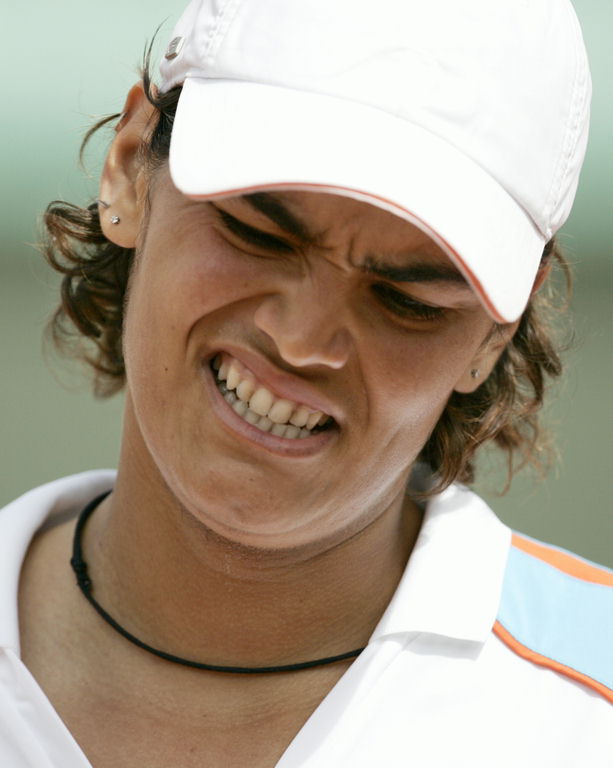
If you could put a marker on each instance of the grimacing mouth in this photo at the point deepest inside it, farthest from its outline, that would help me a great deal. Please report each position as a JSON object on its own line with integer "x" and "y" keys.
{"x": 262, "y": 408}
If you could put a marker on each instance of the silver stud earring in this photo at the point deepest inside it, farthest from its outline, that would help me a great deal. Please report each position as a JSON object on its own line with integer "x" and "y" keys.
{"x": 474, "y": 373}
{"x": 114, "y": 219}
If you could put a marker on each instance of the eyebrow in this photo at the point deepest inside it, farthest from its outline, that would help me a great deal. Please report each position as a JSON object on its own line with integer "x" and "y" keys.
{"x": 420, "y": 272}
{"x": 279, "y": 214}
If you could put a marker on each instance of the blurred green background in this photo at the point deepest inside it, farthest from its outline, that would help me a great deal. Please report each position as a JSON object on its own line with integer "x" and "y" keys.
{"x": 65, "y": 64}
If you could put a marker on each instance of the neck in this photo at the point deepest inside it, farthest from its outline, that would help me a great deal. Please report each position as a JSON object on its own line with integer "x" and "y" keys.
{"x": 181, "y": 588}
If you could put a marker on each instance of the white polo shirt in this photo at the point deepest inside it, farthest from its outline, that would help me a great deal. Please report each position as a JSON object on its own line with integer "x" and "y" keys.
{"x": 495, "y": 651}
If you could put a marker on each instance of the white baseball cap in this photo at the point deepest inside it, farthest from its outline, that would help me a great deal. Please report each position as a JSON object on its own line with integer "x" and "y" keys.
{"x": 468, "y": 118}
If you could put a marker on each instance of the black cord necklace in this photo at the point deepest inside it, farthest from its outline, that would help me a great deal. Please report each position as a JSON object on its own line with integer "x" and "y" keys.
{"x": 84, "y": 582}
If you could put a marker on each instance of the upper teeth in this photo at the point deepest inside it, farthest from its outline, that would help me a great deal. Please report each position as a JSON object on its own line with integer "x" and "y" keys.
{"x": 258, "y": 401}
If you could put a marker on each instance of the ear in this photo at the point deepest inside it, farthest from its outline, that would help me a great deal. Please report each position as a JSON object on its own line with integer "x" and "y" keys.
{"x": 483, "y": 363}
{"x": 486, "y": 358}
{"x": 122, "y": 185}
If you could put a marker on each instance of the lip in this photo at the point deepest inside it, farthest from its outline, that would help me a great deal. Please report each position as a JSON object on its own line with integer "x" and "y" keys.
{"x": 297, "y": 448}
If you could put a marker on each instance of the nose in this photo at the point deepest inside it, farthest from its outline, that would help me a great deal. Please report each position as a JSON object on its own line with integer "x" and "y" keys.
{"x": 306, "y": 323}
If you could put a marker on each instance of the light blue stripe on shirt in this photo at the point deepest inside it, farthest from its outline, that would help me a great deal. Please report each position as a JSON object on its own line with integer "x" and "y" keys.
{"x": 559, "y": 616}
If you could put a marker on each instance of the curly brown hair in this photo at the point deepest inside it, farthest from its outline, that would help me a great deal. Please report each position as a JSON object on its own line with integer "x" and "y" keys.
{"x": 88, "y": 324}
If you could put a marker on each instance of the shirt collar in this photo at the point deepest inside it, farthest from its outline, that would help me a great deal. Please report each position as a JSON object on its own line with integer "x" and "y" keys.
{"x": 453, "y": 579}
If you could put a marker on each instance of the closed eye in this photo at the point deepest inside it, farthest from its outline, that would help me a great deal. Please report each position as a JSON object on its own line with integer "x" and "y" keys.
{"x": 251, "y": 235}
{"x": 404, "y": 306}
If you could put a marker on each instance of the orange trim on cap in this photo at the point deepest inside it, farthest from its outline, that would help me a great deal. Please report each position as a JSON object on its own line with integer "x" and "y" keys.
{"x": 564, "y": 561}
{"x": 468, "y": 273}
{"x": 544, "y": 661}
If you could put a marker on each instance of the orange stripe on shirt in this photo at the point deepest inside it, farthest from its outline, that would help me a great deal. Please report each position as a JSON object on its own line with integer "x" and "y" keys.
{"x": 564, "y": 561}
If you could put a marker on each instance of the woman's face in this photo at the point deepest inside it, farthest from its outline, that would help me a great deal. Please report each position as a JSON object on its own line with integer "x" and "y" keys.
{"x": 302, "y": 300}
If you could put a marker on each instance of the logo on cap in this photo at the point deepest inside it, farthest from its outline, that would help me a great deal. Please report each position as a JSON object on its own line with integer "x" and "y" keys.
{"x": 174, "y": 48}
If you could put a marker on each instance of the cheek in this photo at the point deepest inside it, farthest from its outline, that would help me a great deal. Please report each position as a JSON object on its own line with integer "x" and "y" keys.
{"x": 212, "y": 282}
{"x": 172, "y": 289}
{"x": 412, "y": 379}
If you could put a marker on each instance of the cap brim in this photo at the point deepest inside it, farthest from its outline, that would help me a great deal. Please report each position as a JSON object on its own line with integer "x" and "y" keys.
{"x": 232, "y": 137}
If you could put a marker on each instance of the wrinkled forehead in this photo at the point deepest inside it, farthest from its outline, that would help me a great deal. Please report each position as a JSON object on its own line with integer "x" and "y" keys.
{"x": 330, "y": 220}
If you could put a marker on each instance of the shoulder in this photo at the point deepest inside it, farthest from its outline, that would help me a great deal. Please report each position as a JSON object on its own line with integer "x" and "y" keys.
{"x": 58, "y": 497}
{"x": 46, "y": 506}
{"x": 42, "y": 507}
{"x": 556, "y": 610}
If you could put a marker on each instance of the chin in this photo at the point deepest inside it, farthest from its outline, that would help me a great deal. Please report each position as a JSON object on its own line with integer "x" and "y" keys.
{"x": 263, "y": 524}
